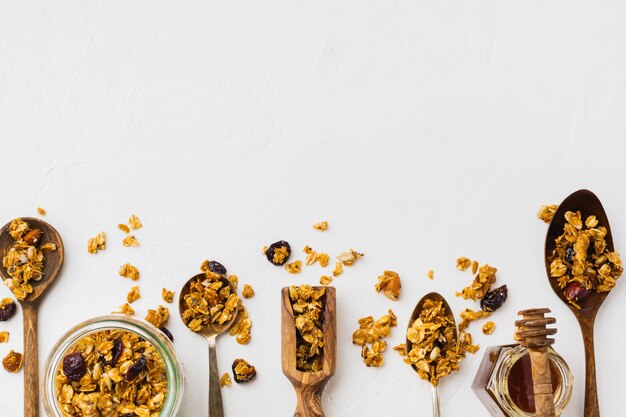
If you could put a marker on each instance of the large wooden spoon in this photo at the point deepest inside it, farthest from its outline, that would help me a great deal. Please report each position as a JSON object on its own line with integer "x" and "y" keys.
{"x": 30, "y": 305}
{"x": 416, "y": 313}
{"x": 588, "y": 204}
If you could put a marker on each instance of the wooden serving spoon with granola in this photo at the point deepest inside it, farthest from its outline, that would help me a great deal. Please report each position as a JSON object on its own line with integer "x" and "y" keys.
{"x": 32, "y": 259}
{"x": 309, "y": 344}
{"x": 564, "y": 253}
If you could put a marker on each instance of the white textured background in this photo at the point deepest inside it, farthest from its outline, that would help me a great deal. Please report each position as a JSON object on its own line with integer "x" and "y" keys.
{"x": 421, "y": 130}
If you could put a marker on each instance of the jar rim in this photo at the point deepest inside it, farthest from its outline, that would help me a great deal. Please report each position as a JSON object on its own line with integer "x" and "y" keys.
{"x": 162, "y": 344}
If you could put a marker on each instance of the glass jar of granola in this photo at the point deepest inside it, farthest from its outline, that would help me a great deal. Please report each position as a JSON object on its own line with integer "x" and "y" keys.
{"x": 115, "y": 366}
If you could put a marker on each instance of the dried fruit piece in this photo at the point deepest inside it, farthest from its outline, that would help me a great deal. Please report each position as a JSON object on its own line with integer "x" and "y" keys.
{"x": 546, "y": 213}
{"x": 349, "y": 258}
{"x": 133, "y": 295}
{"x": 74, "y": 367}
{"x": 390, "y": 284}
{"x": 213, "y": 266}
{"x": 130, "y": 241}
{"x": 12, "y": 362}
{"x": 167, "y": 295}
{"x": 247, "y": 291}
{"x": 370, "y": 335}
{"x": 41, "y": 211}
{"x": 134, "y": 222}
{"x": 338, "y": 269}
{"x": 294, "y": 267}
{"x": 278, "y": 253}
{"x": 116, "y": 352}
{"x": 129, "y": 271}
{"x": 489, "y": 327}
{"x": 124, "y": 228}
{"x": 243, "y": 371}
{"x": 4, "y": 337}
{"x": 32, "y": 237}
{"x": 136, "y": 369}
{"x": 325, "y": 280}
{"x": 575, "y": 292}
{"x": 99, "y": 242}
{"x": 167, "y": 333}
{"x": 321, "y": 226}
{"x": 463, "y": 263}
{"x": 468, "y": 315}
{"x": 481, "y": 284}
{"x": 494, "y": 299}
{"x": 7, "y": 309}
{"x": 225, "y": 380}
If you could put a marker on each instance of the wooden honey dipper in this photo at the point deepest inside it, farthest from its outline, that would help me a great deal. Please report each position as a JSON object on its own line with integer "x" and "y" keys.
{"x": 533, "y": 335}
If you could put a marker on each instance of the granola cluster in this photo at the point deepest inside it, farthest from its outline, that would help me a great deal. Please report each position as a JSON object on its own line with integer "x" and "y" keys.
{"x": 481, "y": 284}
{"x": 546, "y": 213}
{"x": 581, "y": 261}
{"x": 96, "y": 243}
{"x": 389, "y": 283}
{"x": 12, "y": 362}
{"x": 111, "y": 373}
{"x": 243, "y": 371}
{"x": 308, "y": 305}
{"x": 370, "y": 335}
{"x": 434, "y": 350}
{"x": 210, "y": 302}
{"x": 25, "y": 259}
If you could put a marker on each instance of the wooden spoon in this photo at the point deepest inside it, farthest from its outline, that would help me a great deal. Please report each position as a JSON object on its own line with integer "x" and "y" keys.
{"x": 309, "y": 385}
{"x": 30, "y": 305}
{"x": 210, "y": 333}
{"x": 416, "y": 313}
{"x": 588, "y": 204}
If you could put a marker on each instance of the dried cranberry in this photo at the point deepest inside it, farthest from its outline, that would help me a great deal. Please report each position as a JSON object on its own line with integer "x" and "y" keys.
{"x": 7, "y": 309}
{"x": 217, "y": 268}
{"x": 272, "y": 250}
{"x": 136, "y": 368}
{"x": 167, "y": 333}
{"x": 494, "y": 299}
{"x": 74, "y": 366}
{"x": 242, "y": 378}
{"x": 569, "y": 255}
{"x": 116, "y": 352}
{"x": 575, "y": 291}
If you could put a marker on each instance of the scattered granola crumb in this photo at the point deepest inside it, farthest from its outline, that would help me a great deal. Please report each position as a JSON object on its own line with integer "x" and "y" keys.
{"x": 247, "y": 291}
{"x": 372, "y": 333}
{"x": 134, "y": 222}
{"x": 321, "y": 226}
{"x": 167, "y": 295}
{"x": 41, "y": 211}
{"x": 12, "y": 362}
{"x": 468, "y": 315}
{"x": 133, "y": 295}
{"x": 325, "y": 280}
{"x": 294, "y": 267}
{"x": 349, "y": 258}
{"x": 390, "y": 284}
{"x": 158, "y": 318}
{"x": 129, "y": 271}
{"x": 242, "y": 371}
{"x": 463, "y": 263}
{"x": 4, "y": 337}
{"x": 489, "y": 327}
{"x": 314, "y": 256}
{"x": 124, "y": 228}
{"x": 401, "y": 349}
{"x": 225, "y": 380}
{"x": 126, "y": 310}
{"x": 338, "y": 269}
{"x": 430, "y": 274}
{"x": 234, "y": 279}
{"x": 474, "y": 267}
{"x": 130, "y": 241}
{"x": 99, "y": 242}
{"x": 546, "y": 213}
{"x": 481, "y": 284}
{"x": 241, "y": 326}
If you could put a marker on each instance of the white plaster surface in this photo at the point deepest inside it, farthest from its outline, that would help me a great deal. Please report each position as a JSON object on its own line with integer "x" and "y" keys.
{"x": 422, "y": 131}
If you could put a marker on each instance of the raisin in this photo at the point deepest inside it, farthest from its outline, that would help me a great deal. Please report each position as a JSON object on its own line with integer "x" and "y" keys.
{"x": 32, "y": 237}
{"x": 74, "y": 366}
{"x": 118, "y": 348}
{"x": 575, "y": 291}
{"x": 7, "y": 309}
{"x": 167, "y": 333}
{"x": 494, "y": 299}
{"x": 136, "y": 368}
{"x": 217, "y": 268}
{"x": 276, "y": 254}
{"x": 569, "y": 255}
{"x": 243, "y": 371}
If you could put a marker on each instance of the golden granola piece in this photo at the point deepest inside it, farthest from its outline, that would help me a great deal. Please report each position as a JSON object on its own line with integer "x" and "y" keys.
{"x": 349, "y": 258}
{"x": 390, "y": 284}
{"x": 463, "y": 263}
{"x": 225, "y": 380}
{"x": 109, "y": 387}
{"x": 294, "y": 267}
{"x": 18, "y": 228}
{"x": 430, "y": 274}
{"x": 325, "y": 280}
{"x": 130, "y": 241}
{"x": 134, "y": 222}
{"x": 126, "y": 310}
{"x": 401, "y": 349}
{"x": 321, "y": 226}
{"x": 241, "y": 326}
{"x": 48, "y": 247}
{"x": 4, "y": 337}
{"x": 338, "y": 269}
{"x": 280, "y": 254}
{"x": 99, "y": 242}
{"x": 124, "y": 228}
{"x": 158, "y": 318}
{"x": 581, "y": 262}
{"x": 481, "y": 284}
{"x": 434, "y": 350}
{"x": 468, "y": 315}
{"x": 247, "y": 291}
{"x": 314, "y": 256}
{"x": 129, "y": 271}
{"x": 167, "y": 295}
{"x": 308, "y": 305}
{"x": 474, "y": 267}
{"x": 370, "y": 335}
{"x": 489, "y": 327}
{"x": 41, "y": 211}
{"x": 209, "y": 302}
{"x": 546, "y": 213}
{"x": 133, "y": 295}
{"x": 234, "y": 279}
{"x": 242, "y": 371}
{"x": 12, "y": 362}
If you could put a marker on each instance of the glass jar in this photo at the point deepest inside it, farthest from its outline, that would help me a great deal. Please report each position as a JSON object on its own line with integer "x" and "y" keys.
{"x": 163, "y": 345}
{"x": 504, "y": 383}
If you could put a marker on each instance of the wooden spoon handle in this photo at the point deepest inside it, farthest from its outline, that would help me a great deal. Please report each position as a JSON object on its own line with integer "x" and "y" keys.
{"x": 542, "y": 382}
{"x": 31, "y": 362}
{"x": 592, "y": 406}
{"x": 309, "y": 401}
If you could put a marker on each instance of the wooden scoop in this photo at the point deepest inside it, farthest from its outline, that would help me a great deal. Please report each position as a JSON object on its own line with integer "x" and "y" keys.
{"x": 533, "y": 335}
{"x": 587, "y": 203}
{"x": 30, "y": 305}
{"x": 309, "y": 385}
